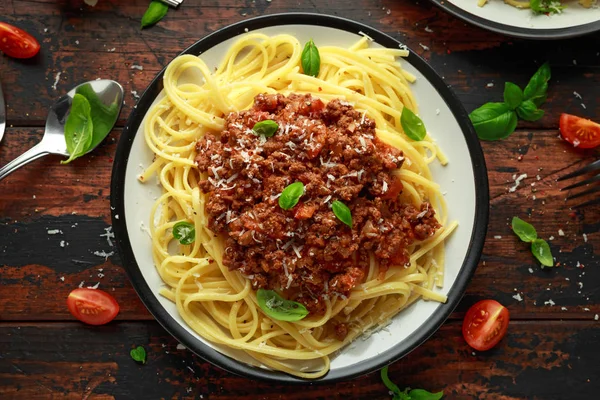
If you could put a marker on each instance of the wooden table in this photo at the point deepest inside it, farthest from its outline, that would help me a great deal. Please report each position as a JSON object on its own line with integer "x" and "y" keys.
{"x": 552, "y": 350}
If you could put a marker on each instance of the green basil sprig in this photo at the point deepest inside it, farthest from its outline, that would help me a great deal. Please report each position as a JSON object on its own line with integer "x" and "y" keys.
{"x": 138, "y": 354}
{"x": 265, "y": 128}
{"x": 185, "y": 232}
{"x": 412, "y": 125}
{"x": 310, "y": 59}
{"x": 539, "y": 247}
{"x": 78, "y": 128}
{"x": 537, "y": 87}
{"x": 524, "y": 230}
{"x": 279, "y": 308}
{"x": 342, "y": 212}
{"x": 155, "y": 12}
{"x": 513, "y": 95}
{"x": 103, "y": 117}
{"x": 495, "y": 121}
{"x": 88, "y": 123}
{"x": 290, "y": 195}
{"x": 541, "y": 250}
{"x": 529, "y": 111}
{"x": 408, "y": 393}
{"x": 546, "y": 6}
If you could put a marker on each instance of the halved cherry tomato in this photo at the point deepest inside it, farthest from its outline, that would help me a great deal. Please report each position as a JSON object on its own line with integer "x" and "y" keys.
{"x": 17, "y": 43}
{"x": 580, "y": 132}
{"x": 485, "y": 324}
{"x": 92, "y": 306}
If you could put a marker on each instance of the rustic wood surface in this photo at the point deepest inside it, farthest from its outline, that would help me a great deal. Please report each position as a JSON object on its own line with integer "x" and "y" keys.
{"x": 552, "y": 349}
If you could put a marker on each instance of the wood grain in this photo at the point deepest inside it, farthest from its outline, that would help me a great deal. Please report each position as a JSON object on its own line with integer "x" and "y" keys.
{"x": 83, "y": 43}
{"x": 551, "y": 349}
{"x": 75, "y": 200}
{"x": 535, "y": 361}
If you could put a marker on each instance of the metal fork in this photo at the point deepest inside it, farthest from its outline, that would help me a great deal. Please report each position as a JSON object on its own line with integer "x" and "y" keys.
{"x": 595, "y": 166}
{"x": 172, "y": 3}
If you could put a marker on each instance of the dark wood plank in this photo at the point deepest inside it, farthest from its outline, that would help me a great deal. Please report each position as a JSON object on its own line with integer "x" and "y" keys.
{"x": 83, "y": 43}
{"x": 75, "y": 199}
{"x": 537, "y": 360}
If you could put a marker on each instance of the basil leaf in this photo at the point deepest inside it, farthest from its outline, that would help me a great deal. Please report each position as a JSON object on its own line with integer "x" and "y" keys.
{"x": 546, "y": 6}
{"x": 342, "y": 212}
{"x": 103, "y": 117}
{"x": 78, "y": 128}
{"x": 538, "y": 85}
{"x": 138, "y": 354}
{"x": 541, "y": 251}
{"x": 184, "y": 232}
{"x": 388, "y": 383}
{"x": 529, "y": 111}
{"x": 493, "y": 121}
{"x": 421, "y": 394}
{"x": 290, "y": 195}
{"x": 412, "y": 125}
{"x": 266, "y": 128}
{"x": 525, "y": 231}
{"x": 310, "y": 59}
{"x": 155, "y": 12}
{"x": 279, "y": 308}
{"x": 513, "y": 95}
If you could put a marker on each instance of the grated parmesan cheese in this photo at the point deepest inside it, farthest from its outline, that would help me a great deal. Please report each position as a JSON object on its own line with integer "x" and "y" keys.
{"x": 517, "y": 182}
{"x": 518, "y": 297}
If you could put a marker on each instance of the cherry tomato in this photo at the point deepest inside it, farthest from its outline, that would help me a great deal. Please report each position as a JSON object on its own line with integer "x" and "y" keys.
{"x": 92, "y": 306}
{"x": 580, "y": 132}
{"x": 485, "y": 324}
{"x": 17, "y": 43}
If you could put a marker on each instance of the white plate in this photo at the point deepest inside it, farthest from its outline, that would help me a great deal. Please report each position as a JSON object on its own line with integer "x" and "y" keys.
{"x": 500, "y": 17}
{"x": 464, "y": 180}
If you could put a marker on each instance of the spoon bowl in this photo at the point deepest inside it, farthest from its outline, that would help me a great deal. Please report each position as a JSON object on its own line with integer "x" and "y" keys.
{"x": 103, "y": 94}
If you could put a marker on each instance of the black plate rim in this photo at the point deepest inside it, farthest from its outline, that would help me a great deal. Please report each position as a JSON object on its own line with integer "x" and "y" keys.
{"x": 515, "y": 31}
{"x": 213, "y": 356}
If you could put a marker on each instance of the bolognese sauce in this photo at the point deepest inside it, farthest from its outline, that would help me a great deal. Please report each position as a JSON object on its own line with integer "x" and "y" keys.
{"x": 307, "y": 252}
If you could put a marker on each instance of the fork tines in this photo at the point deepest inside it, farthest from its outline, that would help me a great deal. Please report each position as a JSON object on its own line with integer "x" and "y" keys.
{"x": 588, "y": 168}
{"x": 595, "y": 166}
{"x": 173, "y": 3}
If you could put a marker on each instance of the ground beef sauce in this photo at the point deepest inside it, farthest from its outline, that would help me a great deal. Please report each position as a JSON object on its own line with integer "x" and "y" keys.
{"x": 307, "y": 252}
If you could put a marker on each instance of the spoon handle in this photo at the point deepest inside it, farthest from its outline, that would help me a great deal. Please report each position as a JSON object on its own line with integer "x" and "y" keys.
{"x": 34, "y": 153}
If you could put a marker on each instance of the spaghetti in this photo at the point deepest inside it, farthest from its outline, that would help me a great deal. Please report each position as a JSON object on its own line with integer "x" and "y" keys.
{"x": 220, "y": 304}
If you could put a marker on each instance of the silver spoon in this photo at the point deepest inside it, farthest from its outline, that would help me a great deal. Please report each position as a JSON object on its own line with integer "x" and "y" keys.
{"x": 107, "y": 92}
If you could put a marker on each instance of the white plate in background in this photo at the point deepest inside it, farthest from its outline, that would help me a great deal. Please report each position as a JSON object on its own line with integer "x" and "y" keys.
{"x": 500, "y": 17}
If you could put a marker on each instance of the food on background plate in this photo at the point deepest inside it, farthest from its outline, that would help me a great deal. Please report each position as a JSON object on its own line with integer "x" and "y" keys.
{"x": 302, "y": 207}
{"x": 16, "y": 43}
{"x": 485, "y": 324}
{"x": 580, "y": 132}
{"x": 92, "y": 306}
{"x": 543, "y": 6}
